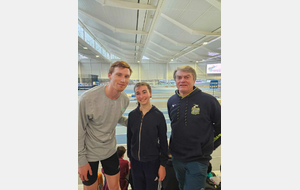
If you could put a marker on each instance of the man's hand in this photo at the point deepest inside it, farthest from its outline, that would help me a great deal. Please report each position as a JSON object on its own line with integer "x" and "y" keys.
{"x": 83, "y": 171}
{"x": 161, "y": 173}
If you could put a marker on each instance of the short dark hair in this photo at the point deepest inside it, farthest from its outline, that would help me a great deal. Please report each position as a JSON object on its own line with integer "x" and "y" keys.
{"x": 122, "y": 64}
{"x": 121, "y": 151}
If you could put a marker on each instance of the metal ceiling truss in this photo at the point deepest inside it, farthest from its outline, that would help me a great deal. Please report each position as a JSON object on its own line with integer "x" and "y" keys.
{"x": 170, "y": 51}
{"x": 175, "y": 42}
{"x": 112, "y": 28}
{"x": 158, "y": 53}
{"x": 189, "y": 30}
{"x": 149, "y": 22}
{"x": 115, "y": 40}
{"x": 85, "y": 44}
{"x": 126, "y": 4}
{"x": 158, "y": 11}
{"x": 191, "y": 49}
{"x": 120, "y": 55}
{"x": 119, "y": 49}
{"x": 155, "y": 58}
{"x": 215, "y": 3}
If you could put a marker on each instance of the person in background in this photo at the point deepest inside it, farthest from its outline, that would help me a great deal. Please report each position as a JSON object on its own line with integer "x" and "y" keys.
{"x": 196, "y": 129}
{"x": 100, "y": 109}
{"x": 124, "y": 167}
{"x": 146, "y": 141}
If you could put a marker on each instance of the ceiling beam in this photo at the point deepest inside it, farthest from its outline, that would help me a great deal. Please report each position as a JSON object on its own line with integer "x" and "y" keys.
{"x": 191, "y": 49}
{"x": 163, "y": 47}
{"x": 114, "y": 29}
{"x": 198, "y": 56}
{"x": 156, "y": 59}
{"x": 179, "y": 59}
{"x": 189, "y": 30}
{"x": 158, "y": 11}
{"x": 158, "y": 53}
{"x": 215, "y": 3}
{"x": 175, "y": 42}
{"x": 150, "y": 57}
{"x": 85, "y": 44}
{"x": 192, "y": 58}
{"x": 209, "y": 50}
{"x": 126, "y": 4}
{"x": 121, "y": 55}
{"x": 115, "y": 40}
{"x": 119, "y": 49}
{"x": 214, "y": 57}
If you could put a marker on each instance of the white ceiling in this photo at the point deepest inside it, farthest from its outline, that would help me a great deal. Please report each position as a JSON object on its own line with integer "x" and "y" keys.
{"x": 158, "y": 29}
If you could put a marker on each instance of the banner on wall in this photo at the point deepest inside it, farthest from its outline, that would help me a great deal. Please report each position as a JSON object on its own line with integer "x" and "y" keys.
{"x": 213, "y": 68}
{"x": 213, "y": 84}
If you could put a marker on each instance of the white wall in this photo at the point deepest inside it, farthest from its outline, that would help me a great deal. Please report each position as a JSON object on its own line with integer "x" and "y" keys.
{"x": 151, "y": 70}
{"x": 135, "y": 71}
{"x": 93, "y": 67}
{"x": 147, "y": 70}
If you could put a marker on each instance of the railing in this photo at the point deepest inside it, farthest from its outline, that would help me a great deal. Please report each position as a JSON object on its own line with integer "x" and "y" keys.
{"x": 89, "y": 38}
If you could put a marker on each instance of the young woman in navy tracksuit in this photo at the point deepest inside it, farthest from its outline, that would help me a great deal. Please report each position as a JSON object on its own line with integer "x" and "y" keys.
{"x": 147, "y": 146}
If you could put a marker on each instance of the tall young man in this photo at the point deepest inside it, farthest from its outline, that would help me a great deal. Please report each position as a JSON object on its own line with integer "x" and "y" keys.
{"x": 196, "y": 129}
{"x": 99, "y": 111}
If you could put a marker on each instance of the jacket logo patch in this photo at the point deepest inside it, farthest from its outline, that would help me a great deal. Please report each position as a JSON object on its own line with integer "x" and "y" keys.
{"x": 195, "y": 110}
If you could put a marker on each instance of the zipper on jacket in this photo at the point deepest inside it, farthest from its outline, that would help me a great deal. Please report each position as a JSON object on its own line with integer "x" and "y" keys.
{"x": 139, "y": 153}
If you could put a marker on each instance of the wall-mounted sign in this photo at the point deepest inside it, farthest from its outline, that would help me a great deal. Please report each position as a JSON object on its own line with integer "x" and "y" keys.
{"x": 213, "y": 68}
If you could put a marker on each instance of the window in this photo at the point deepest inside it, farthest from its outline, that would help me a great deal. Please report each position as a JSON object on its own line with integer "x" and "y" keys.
{"x": 86, "y": 36}
{"x": 80, "y": 31}
{"x": 89, "y": 39}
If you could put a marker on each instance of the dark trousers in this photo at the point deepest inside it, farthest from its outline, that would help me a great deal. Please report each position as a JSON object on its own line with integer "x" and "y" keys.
{"x": 190, "y": 175}
{"x": 145, "y": 174}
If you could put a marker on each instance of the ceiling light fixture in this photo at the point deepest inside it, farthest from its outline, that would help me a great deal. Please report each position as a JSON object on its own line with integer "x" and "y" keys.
{"x": 85, "y": 48}
{"x": 97, "y": 55}
{"x": 204, "y": 43}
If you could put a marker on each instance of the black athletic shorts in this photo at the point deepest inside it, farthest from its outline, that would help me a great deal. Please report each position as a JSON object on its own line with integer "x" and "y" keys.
{"x": 110, "y": 166}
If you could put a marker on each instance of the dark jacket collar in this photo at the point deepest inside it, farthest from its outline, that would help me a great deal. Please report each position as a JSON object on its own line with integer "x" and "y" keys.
{"x": 137, "y": 109}
{"x": 195, "y": 90}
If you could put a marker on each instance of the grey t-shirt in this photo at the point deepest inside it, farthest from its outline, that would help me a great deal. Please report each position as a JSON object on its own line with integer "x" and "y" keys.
{"x": 97, "y": 120}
